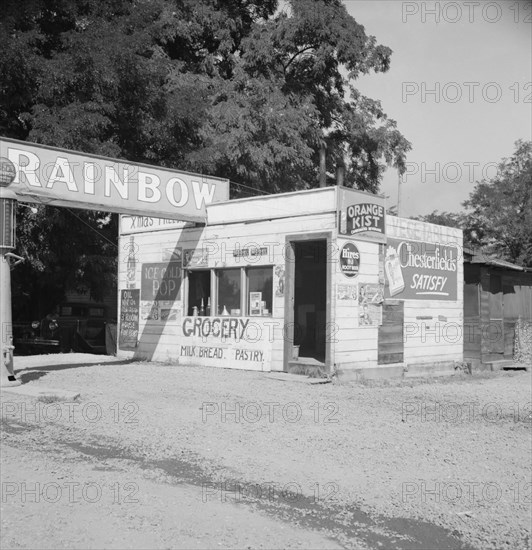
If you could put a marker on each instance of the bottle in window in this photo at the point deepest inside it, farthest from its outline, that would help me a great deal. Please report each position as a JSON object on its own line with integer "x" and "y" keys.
{"x": 202, "y": 309}
{"x": 208, "y": 312}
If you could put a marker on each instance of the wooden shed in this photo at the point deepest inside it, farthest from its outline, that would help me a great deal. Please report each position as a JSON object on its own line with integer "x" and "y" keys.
{"x": 319, "y": 281}
{"x": 496, "y": 295}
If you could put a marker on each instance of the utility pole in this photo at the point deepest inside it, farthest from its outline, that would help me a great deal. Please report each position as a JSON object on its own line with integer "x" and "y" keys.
{"x": 398, "y": 194}
{"x": 8, "y": 202}
{"x": 323, "y": 165}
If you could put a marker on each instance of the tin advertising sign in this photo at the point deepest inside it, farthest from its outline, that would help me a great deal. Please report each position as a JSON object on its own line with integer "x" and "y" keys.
{"x": 349, "y": 260}
{"x": 361, "y": 215}
{"x": 420, "y": 271}
{"x": 60, "y": 177}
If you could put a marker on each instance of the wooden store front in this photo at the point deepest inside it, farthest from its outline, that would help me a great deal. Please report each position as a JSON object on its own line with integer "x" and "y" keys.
{"x": 316, "y": 281}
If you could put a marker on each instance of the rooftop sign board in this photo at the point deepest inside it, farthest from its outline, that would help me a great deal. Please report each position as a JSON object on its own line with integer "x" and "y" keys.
{"x": 60, "y": 177}
{"x": 361, "y": 215}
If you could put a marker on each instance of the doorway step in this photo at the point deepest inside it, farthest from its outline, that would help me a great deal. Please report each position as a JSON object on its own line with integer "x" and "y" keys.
{"x": 501, "y": 364}
{"x": 307, "y": 366}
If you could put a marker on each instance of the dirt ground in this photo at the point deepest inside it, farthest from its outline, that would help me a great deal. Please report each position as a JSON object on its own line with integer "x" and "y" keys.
{"x": 161, "y": 456}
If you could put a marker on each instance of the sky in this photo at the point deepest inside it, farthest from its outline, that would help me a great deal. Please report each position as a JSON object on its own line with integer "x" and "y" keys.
{"x": 460, "y": 89}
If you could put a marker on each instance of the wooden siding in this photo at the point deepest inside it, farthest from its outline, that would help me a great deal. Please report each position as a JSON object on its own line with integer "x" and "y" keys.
{"x": 390, "y": 339}
{"x": 164, "y": 340}
{"x": 433, "y": 329}
{"x": 430, "y": 331}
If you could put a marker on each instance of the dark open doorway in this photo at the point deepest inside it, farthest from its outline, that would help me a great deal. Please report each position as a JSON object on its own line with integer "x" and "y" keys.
{"x": 310, "y": 298}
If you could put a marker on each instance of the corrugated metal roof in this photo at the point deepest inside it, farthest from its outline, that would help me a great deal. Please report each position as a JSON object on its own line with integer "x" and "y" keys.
{"x": 472, "y": 256}
{"x": 496, "y": 262}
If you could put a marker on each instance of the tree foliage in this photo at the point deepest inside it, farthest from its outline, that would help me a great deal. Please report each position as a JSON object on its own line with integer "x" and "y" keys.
{"x": 63, "y": 250}
{"x": 243, "y": 89}
{"x": 239, "y": 89}
{"x": 499, "y": 211}
{"x": 448, "y": 219}
{"x": 498, "y": 216}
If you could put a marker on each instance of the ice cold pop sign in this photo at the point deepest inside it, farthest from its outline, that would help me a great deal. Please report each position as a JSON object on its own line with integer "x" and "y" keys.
{"x": 66, "y": 178}
{"x": 420, "y": 271}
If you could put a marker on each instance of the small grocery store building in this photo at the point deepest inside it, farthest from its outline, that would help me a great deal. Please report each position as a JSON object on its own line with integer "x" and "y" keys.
{"x": 319, "y": 280}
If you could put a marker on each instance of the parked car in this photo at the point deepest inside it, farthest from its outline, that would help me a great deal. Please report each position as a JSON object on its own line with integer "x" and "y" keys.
{"x": 72, "y": 327}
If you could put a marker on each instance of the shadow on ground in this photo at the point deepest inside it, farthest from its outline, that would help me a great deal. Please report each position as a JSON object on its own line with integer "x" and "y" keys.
{"x": 27, "y": 374}
{"x": 348, "y": 525}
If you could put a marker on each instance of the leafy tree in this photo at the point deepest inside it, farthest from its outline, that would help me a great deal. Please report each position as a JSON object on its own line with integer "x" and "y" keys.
{"x": 238, "y": 89}
{"x": 448, "y": 219}
{"x": 243, "y": 89}
{"x": 64, "y": 249}
{"x": 499, "y": 216}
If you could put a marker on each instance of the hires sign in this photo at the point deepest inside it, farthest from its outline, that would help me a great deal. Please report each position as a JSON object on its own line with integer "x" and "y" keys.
{"x": 65, "y": 178}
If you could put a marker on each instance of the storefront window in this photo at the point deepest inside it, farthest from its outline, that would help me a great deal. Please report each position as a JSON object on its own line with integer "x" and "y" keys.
{"x": 259, "y": 296}
{"x": 229, "y": 290}
{"x": 229, "y": 285}
{"x": 199, "y": 292}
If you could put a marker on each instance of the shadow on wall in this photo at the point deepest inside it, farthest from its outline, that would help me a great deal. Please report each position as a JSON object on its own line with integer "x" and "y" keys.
{"x": 155, "y": 289}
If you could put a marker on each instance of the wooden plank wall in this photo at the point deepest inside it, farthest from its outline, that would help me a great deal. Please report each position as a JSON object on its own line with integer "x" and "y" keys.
{"x": 162, "y": 341}
{"x": 354, "y": 346}
{"x": 433, "y": 329}
{"x": 391, "y": 338}
{"x": 434, "y": 339}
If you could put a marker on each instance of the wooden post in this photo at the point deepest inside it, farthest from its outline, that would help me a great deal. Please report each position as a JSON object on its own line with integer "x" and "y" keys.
{"x": 398, "y": 194}
{"x": 340, "y": 173}
{"x": 323, "y": 172}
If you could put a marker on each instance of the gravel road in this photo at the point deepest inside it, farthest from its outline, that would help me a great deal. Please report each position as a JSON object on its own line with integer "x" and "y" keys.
{"x": 161, "y": 456}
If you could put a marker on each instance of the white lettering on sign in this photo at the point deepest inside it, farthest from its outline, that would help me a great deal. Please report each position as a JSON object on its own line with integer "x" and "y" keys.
{"x": 68, "y": 178}
{"x": 365, "y": 209}
{"x": 202, "y": 193}
{"x": 149, "y": 187}
{"x": 350, "y": 254}
{"x": 89, "y": 177}
{"x": 26, "y": 164}
{"x": 435, "y": 283}
{"x": 361, "y": 215}
{"x": 170, "y": 192}
{"x": 112, "y": 178}
{"x": 427, "y": 261}
{"x": 61, "y": 172}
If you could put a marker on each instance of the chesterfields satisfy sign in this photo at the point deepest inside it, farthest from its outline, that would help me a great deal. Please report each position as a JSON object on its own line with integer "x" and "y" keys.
{"x": 420, "y": 271}
{"x": 65, "y": 178}
{"x": 361, "y": 215}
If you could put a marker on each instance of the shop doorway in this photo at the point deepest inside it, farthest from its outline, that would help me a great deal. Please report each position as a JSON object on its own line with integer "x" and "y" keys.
{"x": 308, "y": 304}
